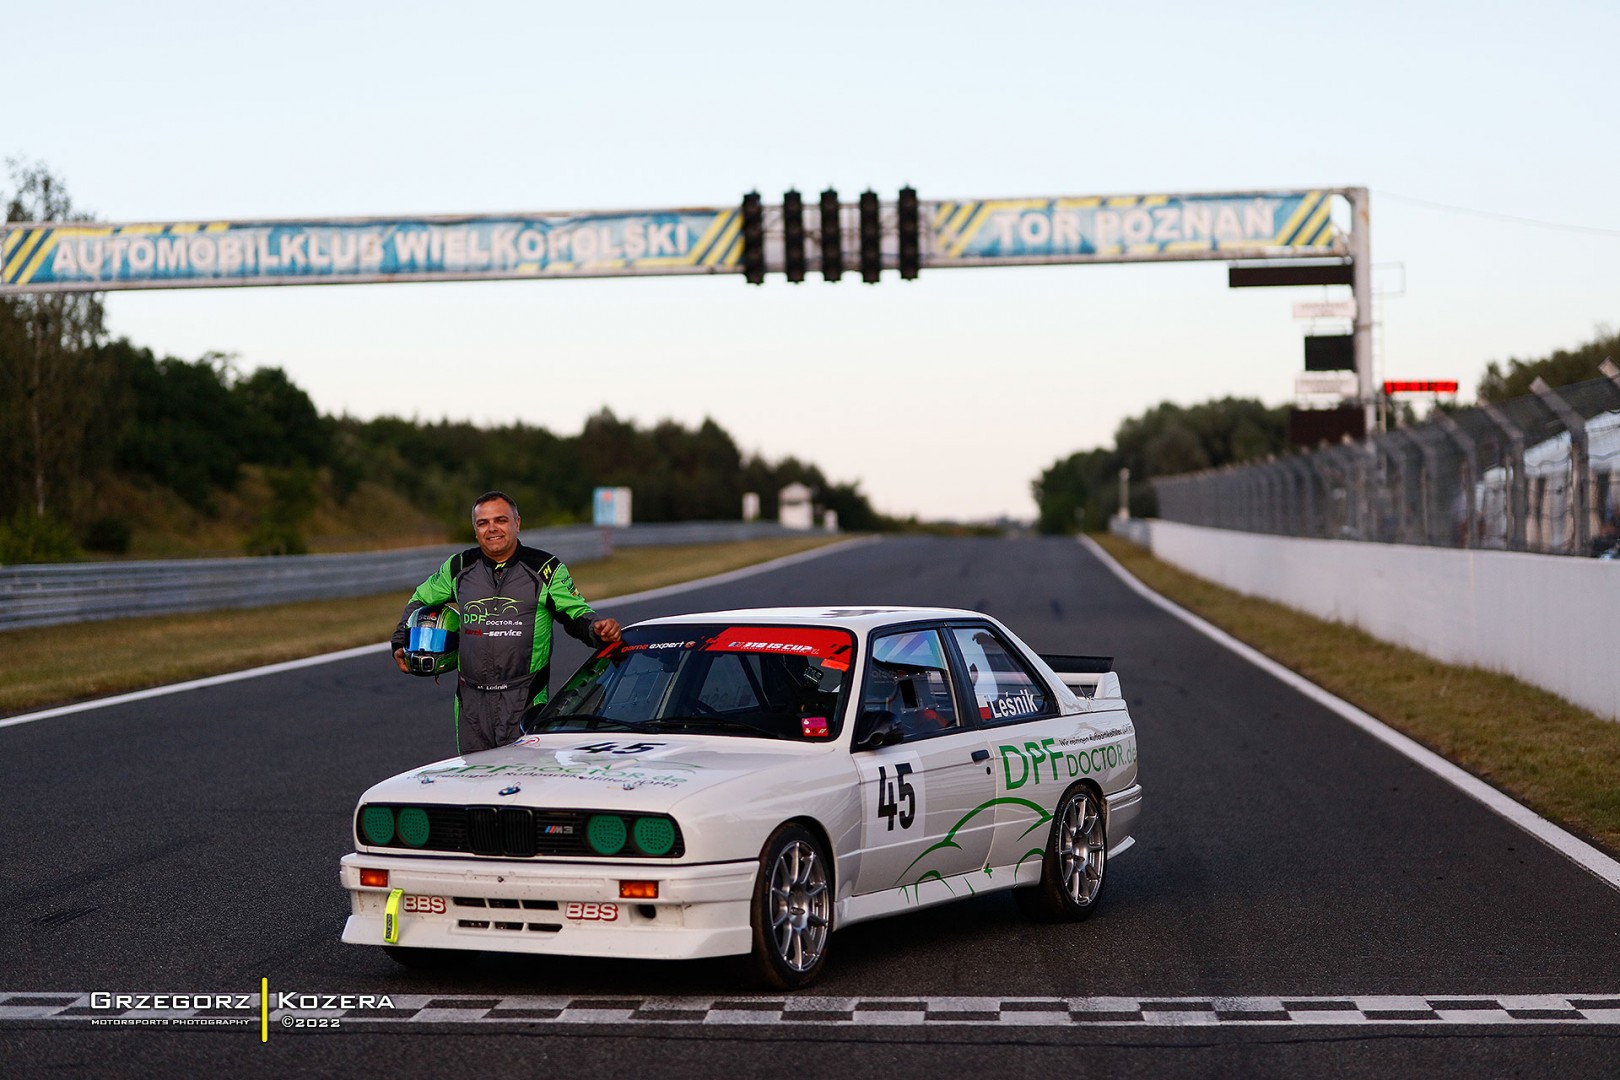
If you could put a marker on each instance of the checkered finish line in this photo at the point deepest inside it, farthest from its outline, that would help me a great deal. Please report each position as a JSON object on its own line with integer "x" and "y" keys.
{"x": 1355, "y": 1010}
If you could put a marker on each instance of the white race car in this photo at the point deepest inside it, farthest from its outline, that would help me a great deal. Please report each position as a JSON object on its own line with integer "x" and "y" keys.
{"x": 745, "y": 782}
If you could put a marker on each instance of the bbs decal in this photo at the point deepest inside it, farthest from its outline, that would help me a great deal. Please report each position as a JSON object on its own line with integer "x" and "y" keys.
{"x": 425, "y": 905}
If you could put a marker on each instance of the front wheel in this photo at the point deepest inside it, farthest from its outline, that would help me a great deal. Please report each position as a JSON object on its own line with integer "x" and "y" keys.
{"x": 792, "y": 909}
{"x": 1074, "y": 861}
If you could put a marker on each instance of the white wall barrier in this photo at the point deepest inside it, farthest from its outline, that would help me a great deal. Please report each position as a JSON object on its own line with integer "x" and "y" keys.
{"x": 1550, "y": 621}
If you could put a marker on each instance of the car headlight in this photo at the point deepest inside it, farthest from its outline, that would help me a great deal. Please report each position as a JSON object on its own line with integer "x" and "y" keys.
{"x": 607, "y": 833}
{"x": 377, "y": 825}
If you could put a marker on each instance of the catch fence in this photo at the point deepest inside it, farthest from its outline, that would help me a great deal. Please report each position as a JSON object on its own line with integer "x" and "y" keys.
{"x": 1539, "y": 473}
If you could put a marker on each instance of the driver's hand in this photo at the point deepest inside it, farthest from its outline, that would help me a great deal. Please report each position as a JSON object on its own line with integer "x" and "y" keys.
{"x": 606, "y": 630}
{"x": 399, "y": 658}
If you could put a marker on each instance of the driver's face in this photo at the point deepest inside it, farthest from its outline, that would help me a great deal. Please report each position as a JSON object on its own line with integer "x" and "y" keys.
{"x": 496, "y": 524}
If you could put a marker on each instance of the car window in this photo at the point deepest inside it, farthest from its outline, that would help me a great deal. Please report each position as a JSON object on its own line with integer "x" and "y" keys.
{"x": 727, "y": 686}
{"x": 1004, "y": 688}
{"x": 909, "y": 677}
{"x": 785, "y": 682}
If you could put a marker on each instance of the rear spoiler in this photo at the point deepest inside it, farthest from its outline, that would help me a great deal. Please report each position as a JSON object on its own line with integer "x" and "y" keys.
{"x": 1088, "y": 676}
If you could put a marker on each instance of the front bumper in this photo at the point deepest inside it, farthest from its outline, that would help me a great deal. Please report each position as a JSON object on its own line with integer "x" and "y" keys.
{"x": 557, "y": 908}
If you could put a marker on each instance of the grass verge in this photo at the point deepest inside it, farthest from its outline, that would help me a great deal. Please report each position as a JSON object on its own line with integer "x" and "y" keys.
{"x": 1554, "y": 757}
{"x": 53, "y": 665}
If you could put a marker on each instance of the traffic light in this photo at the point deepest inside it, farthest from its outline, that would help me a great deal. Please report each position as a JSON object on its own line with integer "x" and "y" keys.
{"x": 793, "y": 236}
{"x": 832, "y": 237}
{"x": 871, "y": 239}
{"x": 753, "y": 239}
{"x": 910, "y": 243}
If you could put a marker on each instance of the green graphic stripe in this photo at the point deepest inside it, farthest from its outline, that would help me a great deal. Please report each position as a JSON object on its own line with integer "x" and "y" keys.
{"x": 1032, "y": 852}
{"x": 1042, "y": 816}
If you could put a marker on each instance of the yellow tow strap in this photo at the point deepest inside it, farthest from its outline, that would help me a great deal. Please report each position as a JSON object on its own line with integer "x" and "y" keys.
{"x": 391, "y": 917}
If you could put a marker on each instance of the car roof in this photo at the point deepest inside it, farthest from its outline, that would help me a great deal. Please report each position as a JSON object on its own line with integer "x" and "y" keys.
{"x": 851, "y": 617}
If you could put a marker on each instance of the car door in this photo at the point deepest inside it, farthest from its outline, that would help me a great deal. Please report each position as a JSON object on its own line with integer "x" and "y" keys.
{"x": 1027, "y": 739}
{"x": 925, "y": 801}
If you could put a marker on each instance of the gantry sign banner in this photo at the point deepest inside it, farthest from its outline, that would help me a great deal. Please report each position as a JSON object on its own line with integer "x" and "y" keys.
{"x": 94, "y": 257}
{"x": 69, "y": 256}
{"x": 1133, "y": 228}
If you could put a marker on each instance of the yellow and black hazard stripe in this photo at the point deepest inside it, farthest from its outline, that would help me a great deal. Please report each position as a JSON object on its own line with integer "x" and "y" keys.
{"x": 1310, "y": 225}
{"x": 720, "y": 246}
{"x": 23, "y": 253}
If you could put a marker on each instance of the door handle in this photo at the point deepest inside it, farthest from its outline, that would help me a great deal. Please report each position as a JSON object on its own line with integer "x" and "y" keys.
{"x": 981, "y": 755}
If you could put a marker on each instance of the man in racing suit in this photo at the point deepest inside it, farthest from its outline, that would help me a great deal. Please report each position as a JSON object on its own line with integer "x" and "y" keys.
{"x": 509, "y": 595}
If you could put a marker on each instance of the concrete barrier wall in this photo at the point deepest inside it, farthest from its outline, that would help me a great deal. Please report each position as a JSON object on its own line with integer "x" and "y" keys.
{"x": 1550, "y": 621}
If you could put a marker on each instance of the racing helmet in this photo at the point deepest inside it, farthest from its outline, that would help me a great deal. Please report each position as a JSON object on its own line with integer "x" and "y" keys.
{"x": 431, "y": 648}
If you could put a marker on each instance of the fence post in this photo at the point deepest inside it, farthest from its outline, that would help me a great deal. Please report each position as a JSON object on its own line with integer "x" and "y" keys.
{"x": 1304, "y": 477}
{"x": 1393, "y": 445}
{"x": 1433, "y": 512}
{"x": 1579, "y": 466}
{"x": 1364, "y": 456}
{"x": 1466, "y": 444}
{"x": 1518, "y": 494}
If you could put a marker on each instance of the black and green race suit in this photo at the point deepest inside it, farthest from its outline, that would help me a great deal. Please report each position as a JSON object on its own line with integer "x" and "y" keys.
{"x": 507, "y": 610}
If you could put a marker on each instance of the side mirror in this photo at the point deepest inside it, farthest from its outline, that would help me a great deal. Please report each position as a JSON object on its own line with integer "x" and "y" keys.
{"x": 878, "y": 728}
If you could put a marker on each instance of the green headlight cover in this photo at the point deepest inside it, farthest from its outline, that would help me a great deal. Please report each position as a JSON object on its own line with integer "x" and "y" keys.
{"x": 413, "y": 826}
{"x": 377, "y": 822}
{"x": 606, "y": 832}
{"x": 654, "y": 835}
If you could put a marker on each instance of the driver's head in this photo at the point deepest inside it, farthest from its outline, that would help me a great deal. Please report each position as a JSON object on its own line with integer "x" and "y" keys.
{"x": 495, "y": 523}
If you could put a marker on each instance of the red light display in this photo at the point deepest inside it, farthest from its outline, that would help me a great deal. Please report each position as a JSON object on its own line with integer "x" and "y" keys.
{"x": 1420, "y": 386}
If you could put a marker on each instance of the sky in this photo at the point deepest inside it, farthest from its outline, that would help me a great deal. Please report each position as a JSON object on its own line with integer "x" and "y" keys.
{"x": 1484, "y": 131}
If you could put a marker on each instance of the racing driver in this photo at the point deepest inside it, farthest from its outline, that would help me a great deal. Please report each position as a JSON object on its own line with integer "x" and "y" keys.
{"x": 509, "y": 595}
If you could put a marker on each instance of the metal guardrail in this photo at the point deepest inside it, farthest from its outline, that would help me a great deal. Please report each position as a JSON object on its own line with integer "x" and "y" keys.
{"x": 1539, "y": 473}
{"x": 55, "y": 593}
{"x": 698, "y": 532}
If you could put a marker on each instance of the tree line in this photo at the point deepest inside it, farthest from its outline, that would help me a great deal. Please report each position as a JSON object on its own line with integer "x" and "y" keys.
{"x": 78, "y": 408}
{"x": 1081, "y": 491}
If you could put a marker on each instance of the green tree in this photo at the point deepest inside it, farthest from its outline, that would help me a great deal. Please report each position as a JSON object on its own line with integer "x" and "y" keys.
{"x": 1165, "y": 440}
{"x": 48, "y": 365}
{"x": 1563, "y": 367}
{"x": 293, "y": 497}
{"x": 181, "y": 424}
{"x": 279, "y": 423}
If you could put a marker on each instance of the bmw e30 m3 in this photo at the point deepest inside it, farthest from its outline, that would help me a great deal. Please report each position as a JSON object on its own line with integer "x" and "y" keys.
{"x": 747, "y": 782}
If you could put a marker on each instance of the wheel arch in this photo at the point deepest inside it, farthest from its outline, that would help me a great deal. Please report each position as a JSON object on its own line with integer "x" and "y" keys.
{"x": 819, "y": 831}
{"x": 1095, "y": 788}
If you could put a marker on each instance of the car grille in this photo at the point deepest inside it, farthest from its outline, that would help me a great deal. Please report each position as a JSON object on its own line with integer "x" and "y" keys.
{"x": 514, "y": 832}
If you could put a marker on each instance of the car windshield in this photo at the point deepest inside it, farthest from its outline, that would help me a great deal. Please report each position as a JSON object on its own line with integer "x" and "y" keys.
{"x": 768, "y": 682}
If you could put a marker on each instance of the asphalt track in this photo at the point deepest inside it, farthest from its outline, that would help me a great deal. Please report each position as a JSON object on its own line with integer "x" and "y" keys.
{"x": 1303, "y": 900}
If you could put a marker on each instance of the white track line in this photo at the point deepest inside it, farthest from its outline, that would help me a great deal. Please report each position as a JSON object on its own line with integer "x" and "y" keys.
{"x": 1578, "y": 851}
{"x": 361, "y": 650}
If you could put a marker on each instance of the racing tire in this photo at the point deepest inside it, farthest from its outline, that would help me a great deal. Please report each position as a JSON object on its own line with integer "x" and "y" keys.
{"x": 429, "y": 959}
{"x": 791, "y": 913}
{"x": 1074, "y": 862}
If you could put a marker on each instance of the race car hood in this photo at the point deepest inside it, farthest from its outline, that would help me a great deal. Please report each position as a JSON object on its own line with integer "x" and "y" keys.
{"x": 584, "y": 771}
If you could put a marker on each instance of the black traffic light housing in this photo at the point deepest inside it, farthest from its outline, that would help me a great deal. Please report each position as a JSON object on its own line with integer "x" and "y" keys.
{"x": 909, "y": 227}
{"x": 832, "y": 237}
{"x": 871, "y": 239}
{"x": 793, "y": 236}
{"x": 753, "y": 239}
